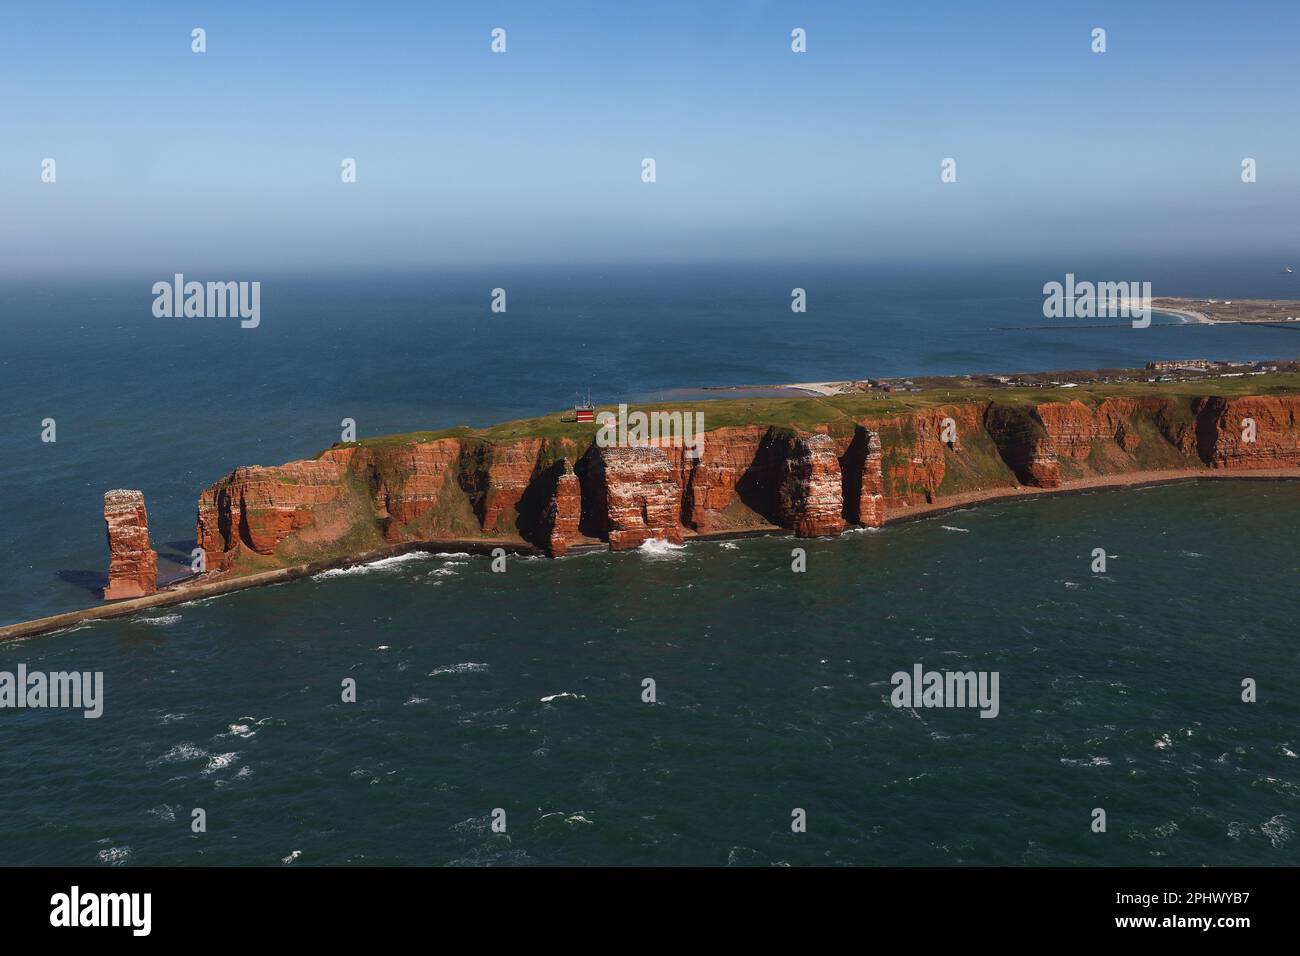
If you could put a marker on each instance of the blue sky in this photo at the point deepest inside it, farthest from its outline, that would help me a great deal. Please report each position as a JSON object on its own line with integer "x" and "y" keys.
{"x": 230, "y": 159}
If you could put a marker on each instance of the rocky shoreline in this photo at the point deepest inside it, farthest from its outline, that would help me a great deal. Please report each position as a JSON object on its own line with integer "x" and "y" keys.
{"x": 813, "y": 467}
{"x": 195, "y": 589}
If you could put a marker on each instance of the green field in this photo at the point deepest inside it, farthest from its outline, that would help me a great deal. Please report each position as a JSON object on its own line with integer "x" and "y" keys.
{"x": 807, "y": 412}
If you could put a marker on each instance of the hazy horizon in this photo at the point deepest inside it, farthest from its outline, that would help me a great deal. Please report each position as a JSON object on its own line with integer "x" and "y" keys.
{"x": 229, "y": 160}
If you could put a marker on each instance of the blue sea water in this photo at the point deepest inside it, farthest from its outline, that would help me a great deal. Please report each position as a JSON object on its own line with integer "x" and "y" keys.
{"x": 1118, "y": 690}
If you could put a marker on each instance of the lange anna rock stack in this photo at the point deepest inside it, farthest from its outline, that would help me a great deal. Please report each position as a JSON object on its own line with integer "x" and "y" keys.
{"x": 133, "y": 565}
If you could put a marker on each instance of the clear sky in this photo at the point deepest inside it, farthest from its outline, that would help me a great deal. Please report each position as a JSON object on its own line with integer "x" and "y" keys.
{"x": 167, "y": 159}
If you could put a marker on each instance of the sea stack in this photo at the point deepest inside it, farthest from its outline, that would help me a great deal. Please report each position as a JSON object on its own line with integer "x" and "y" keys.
{"x": 133, "y": 565}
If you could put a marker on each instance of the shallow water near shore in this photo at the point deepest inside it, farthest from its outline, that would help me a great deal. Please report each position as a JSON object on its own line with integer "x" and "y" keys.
{"x": 522, "y": 691}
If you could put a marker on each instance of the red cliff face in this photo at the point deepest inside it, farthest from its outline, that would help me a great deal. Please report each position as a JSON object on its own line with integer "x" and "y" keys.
{"x": 871, "y": 496}
{"x": 810, "y": 498}
{"x": 256, "y": 508}
{"x": 1024, "y": 445}
{"x": 635, "y": 496}
{"x": 406, "y": 481}
{"x": 1069, "y": 427}
{"x": 1044, "y": 468}
{"x": 1114, "y": 420}
{"x": 916, "y": 461}
{"x": 711, "y": 480}
{"x": 511, "y": 468}
{"x": 562, "y": 513}
{"x": 748, "y": 477}
{"x": 1074, "y": 426}
{"x": 133, "y": 565}
{"x": 1249, "y": 432}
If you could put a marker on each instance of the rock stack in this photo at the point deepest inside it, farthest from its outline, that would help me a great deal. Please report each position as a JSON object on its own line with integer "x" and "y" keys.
{"x": 133, "y": 565}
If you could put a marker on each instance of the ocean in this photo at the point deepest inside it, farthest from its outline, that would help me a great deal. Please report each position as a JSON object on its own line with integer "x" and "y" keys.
{"x": 523, "y": 691}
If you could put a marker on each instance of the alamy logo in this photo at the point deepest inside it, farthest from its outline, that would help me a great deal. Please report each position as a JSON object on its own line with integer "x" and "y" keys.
{"x": 640, "y": 429}
{"x": 36, "y": 689}
{"x": 923, "y": 688}
{"x": 1098, "y": 300}
{"x": 208, "y": 300}
{"x": 103, "y": 909}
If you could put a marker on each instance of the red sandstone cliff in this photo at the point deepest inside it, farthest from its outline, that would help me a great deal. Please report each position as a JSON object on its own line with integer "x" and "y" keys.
{"x": 1074, "y": 426}
{"x": 1024, "y": 444}
{"x": 811, "y": 496}
{"x": 1224, "y": 432}
{"x": 133, "y": 565}
{"x": 748, "y": 477}
{"x": 257, "y": 508}
{"x": 634, "y": 496}
{"x": 871, "y": 494}
{"x": 709, "y": 491}
{"x": 563, "y": 512}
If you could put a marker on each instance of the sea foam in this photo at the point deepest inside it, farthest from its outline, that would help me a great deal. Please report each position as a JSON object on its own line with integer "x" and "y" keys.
{"x": 383, "y": 564}
{"x": 659, "y": 548}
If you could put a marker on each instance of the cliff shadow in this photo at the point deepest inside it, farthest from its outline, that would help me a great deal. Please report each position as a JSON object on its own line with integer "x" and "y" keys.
{"x": 759, "y": 486}
{"x": 533, "y": 502}
{"x": 92, "y": 581}
{"x": 180, "y": 552}
{"x": 1016, "y": 432}
{"x": 852, "y": 463}
{"x": 593, "y": 520}
{"x": 1209, "y": 415}
{"x": 474, "y": 475}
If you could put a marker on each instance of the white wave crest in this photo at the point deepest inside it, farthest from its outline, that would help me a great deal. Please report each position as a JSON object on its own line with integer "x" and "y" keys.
{"x": 182, "y": 751}
{"x": 382, "y": 564}
{"x": 1090, "y": 762}
{"x": 237, "y": 730}
{"x": 469, "y": 667}
{"x": 659, "y": 548}
{"x": 160, "y": 621}
{"x": 219, "y": 762}
{"x": 1277, "y": 830}
{"x": 114, "y": 856}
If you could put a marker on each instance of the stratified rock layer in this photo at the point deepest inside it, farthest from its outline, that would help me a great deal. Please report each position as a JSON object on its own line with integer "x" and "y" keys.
{"x": 871, "y": 495}
{"x": 133, "y": 565}
{"x": 1024, "y": 444}
{"x": 563, "y": 512}
{"x": 635, "y": 496}
{"x": 257, "y": 508}
{"x": 1249, "y": 432}
{"x": 811, "y": 497}
{"x": 709, "y": 490}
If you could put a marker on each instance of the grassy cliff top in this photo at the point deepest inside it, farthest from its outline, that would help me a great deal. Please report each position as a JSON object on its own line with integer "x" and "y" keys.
{"x": 805, "y": 412}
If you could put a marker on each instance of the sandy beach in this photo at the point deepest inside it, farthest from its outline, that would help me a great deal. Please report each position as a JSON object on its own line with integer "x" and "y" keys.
{"x": 1197, "y": 318}
{"x": 822, "y": 388}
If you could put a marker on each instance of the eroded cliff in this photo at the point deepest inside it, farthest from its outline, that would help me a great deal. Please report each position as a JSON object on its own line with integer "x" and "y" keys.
{"x": 853, "y": 470}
